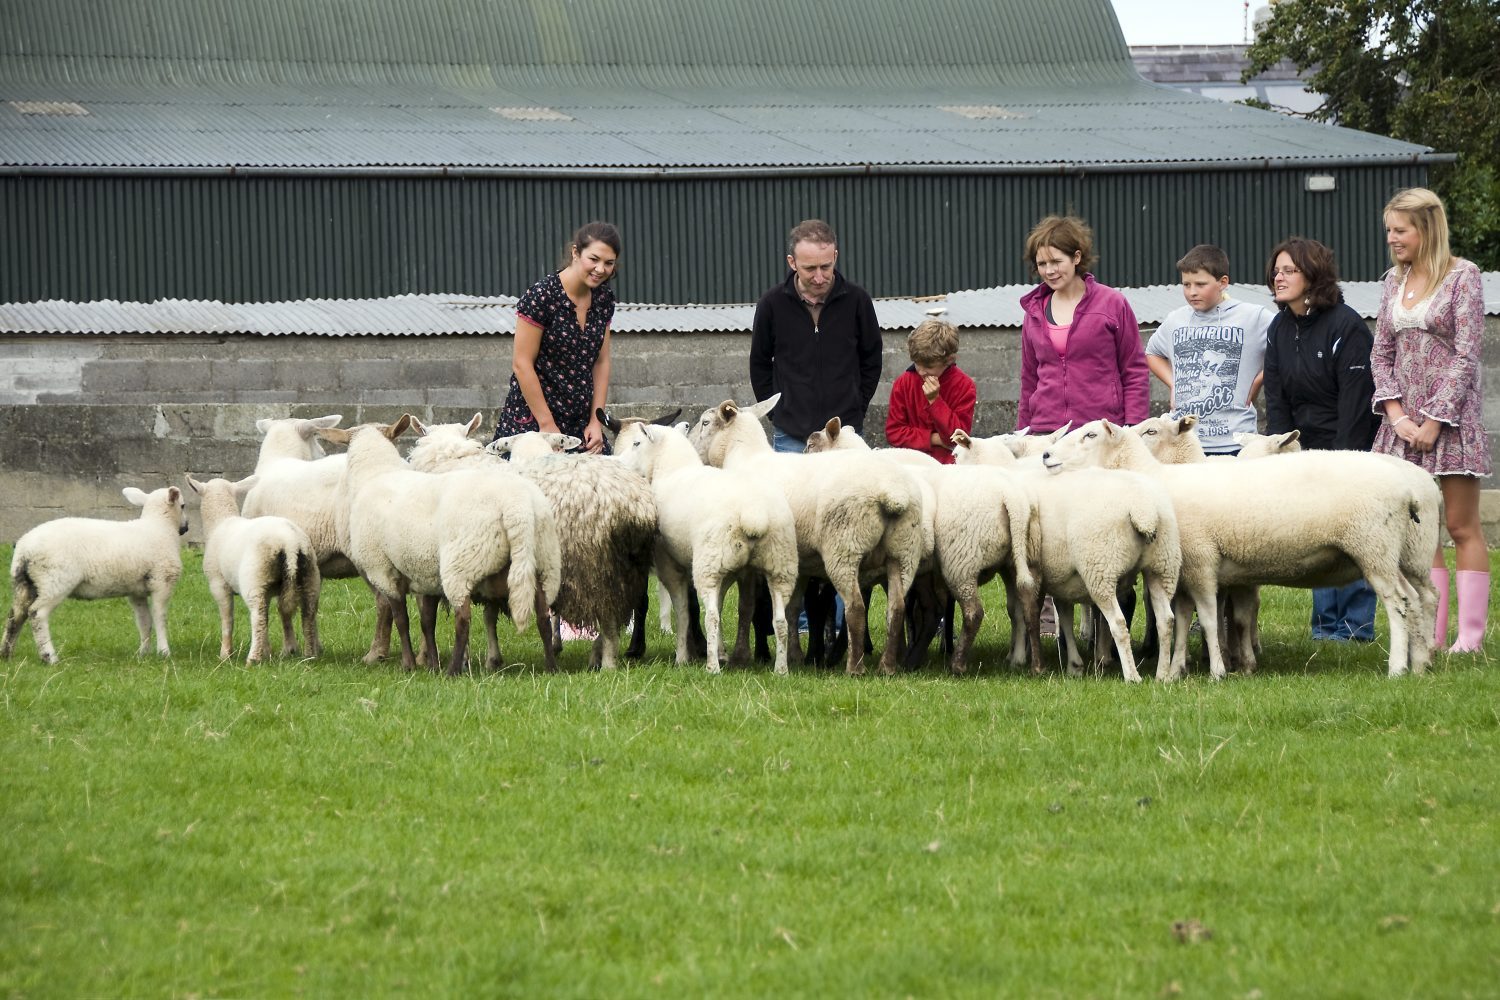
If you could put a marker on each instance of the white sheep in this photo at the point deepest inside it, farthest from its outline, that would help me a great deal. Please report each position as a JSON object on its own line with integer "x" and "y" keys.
{"x": 604, "y": 512}
{"x": 857, "y": 517}
{"x": 481, "y": 534}
{"x": 715, "y": 528}
{"x": 257, "y": 558}
{"x": 976, "y": 516}
{"x": 91, "y": 558}
{"x": 295, "y": 480}
{"x": 1307, "y": 519}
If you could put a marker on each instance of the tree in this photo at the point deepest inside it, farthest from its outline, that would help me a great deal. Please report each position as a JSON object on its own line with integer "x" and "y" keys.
{"x": 1424, "y": 71}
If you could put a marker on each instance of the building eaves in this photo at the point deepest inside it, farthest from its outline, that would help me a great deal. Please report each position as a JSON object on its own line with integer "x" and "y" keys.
{"x": 448, "y": 315}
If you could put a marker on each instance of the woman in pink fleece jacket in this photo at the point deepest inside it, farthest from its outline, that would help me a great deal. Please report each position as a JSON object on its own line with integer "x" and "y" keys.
{"x": 1081, "y": 352}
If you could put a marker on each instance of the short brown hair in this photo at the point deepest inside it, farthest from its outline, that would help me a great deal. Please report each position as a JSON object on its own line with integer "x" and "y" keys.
{"x": 932, "y": 341}
{"x": 1205, "y": 257}
{"x": 810, "y": 231}
{"x": 1067, "y": 233}
{"x": 1317, "y": 265}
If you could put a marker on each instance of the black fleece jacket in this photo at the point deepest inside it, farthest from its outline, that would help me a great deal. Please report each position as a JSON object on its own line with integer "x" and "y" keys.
{"x": 831, "y": 370}
{"x": 1318, "y": 378}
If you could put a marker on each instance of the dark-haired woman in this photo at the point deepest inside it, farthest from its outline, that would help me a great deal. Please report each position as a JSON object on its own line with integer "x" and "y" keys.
{"x": 1318, "y": 382}
{"x": 560, "y": 361}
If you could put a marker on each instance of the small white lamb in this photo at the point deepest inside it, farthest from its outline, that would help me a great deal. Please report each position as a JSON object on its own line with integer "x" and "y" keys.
{"x": 91, "y": 558}
{"x": 715, "y": 526}
{"x": 257, "y": 557}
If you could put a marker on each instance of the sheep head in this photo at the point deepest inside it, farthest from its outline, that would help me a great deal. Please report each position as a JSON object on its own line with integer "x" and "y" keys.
{"x": 1171, "y": 439}
{"x": 1097, "y": 444}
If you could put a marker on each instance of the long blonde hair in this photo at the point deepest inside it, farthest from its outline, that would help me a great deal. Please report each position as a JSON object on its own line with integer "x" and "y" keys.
{"x": 1425, "y": 210}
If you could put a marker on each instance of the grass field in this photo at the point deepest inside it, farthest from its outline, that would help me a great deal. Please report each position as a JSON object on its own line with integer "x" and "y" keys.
{"x": 197, "y": 828}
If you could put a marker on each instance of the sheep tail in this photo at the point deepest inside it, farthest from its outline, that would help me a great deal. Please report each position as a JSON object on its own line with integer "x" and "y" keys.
{"x": 892, "y": 504}
{"x": 522, "y": 574}
{"x": 754, "y": 523}
{"x": 1144, "y": 517}
{"x": 1021, "y": 516}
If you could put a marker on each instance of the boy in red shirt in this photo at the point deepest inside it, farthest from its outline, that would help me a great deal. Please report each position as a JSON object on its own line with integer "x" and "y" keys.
{"x": 933, "y": 398}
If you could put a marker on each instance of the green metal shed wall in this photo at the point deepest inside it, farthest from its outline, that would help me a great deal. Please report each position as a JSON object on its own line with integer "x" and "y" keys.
{"x": 720, "y": 240}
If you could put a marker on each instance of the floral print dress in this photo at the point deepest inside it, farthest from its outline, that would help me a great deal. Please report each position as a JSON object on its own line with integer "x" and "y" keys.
{"x": 1429, "y": 358}
{"x": 565, "y": 360}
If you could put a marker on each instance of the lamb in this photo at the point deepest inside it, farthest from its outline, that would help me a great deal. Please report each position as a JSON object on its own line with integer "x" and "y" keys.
{"x": 855, "y": 515}
{"x": 715, "y": 528}
{"x": 257, "y": 557}
{"x": 977, "y": 515}
{"x": 1301, "y": 520}
{"x": 92, "y": 558}
{"x": 296, "y": 481}
{"x": 604, "y": 511}
{"x": 475, "y": 534}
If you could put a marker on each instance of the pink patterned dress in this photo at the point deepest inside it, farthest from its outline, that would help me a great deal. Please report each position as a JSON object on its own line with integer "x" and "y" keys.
{"x": 1429, "y": 358}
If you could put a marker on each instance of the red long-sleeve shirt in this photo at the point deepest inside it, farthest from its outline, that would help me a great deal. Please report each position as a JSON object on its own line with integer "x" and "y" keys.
{"x": 912, "y": 420}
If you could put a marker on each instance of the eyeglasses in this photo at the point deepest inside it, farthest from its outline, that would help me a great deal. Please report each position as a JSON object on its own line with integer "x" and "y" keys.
{"x": 1287, "y": 271}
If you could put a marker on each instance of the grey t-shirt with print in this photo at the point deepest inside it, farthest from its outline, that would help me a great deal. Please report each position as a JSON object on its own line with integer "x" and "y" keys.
{"x": 1215, "y": 357}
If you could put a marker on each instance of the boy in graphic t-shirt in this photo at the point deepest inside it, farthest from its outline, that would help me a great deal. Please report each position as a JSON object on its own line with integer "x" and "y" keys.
{"x": 1210, "y": 352}
{"x": 933, "y": 398}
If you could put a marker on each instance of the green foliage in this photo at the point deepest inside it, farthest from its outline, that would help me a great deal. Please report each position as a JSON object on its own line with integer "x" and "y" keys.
{"x": 1425, "y": 71}
{"x": 191, "y": 827}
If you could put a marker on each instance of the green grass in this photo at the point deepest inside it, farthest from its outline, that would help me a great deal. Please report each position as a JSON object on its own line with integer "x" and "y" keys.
{"x": 329, "y": 828}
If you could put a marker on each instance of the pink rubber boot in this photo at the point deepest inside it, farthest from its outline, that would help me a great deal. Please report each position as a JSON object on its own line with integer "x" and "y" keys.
{"x": 1473, "y": 610}
{"x": 1440, "y": 631}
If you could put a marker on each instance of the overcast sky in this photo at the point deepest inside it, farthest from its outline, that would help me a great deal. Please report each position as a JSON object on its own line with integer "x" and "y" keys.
{"x": 1184, "y": 22}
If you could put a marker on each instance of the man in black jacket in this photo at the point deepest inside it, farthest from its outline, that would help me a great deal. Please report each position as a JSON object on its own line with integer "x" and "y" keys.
{"x": 815, "y": 340}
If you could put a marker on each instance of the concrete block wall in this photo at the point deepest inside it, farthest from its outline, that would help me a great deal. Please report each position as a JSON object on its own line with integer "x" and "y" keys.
{"x": 83, "y": 416}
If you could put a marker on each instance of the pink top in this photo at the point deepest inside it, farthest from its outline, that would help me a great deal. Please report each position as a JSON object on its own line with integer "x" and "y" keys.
{"x": 1059, "y": 335}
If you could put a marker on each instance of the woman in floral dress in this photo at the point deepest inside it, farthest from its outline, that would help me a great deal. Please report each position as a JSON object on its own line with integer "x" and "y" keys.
{"x": 1426, "y": 364}
{"x": 560, "y": 362}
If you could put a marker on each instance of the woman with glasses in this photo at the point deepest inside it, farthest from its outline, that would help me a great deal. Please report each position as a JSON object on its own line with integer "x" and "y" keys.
{"x": 1318, "y": 382}
{"x": 1426, "y": 362}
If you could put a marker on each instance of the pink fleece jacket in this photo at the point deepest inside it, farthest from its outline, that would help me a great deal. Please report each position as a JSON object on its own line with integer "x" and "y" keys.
{"x": 1101, "y": 374}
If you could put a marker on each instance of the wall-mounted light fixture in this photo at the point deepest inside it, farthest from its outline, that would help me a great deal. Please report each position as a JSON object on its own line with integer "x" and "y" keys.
{"x": 1320, "y": 182}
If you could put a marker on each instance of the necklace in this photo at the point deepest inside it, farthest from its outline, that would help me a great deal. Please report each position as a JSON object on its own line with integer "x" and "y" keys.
{"x": 1411, "y": 295}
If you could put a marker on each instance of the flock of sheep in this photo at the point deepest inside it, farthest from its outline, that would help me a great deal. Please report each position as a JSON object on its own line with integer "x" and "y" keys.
{"x": 518, "y": 526}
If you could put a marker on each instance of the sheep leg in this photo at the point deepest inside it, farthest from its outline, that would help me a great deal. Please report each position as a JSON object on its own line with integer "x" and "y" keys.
{"x": 491, "y": 635}
{"x": 463, "y": 614}
{"x": 712, "y": 601}
{"x": 402, "y": 625}
{"x": 1066, "y": 642}
{"x": 925, "y": 611}
{"x": 286, "y": 607}
{"x": 311, "y": 594}
{"x": 1182, "y": 617}
{"x": 745, "y": 588}
{"x": 1398, "y": 611}
{"x": 637, "y": 648}
{"x": 781, "y": 594}
{"x": 1243, "y": 607}
{"x": 894, "y": 652}
{"x": 142, "y": 612}
{"x": 762, "y": 618}
{"x": 1159, "y": 596}
{"x": 967, "y": 594}
{"x": 21, "y": 602}
{"x": 427, "y": 609}
{"x": 674, "y": 578}
{"x": 160, "y": 595}
{"x": 1206, "y": 601}
{"x": 380, "y": 642}
{"x": 844, "y": 576}
{"x": 260, "y": 622}
{"x": 544, "y": 632}
{"x": 225, "y": 601}
{"x": 1019, "y": 642}
{"x": 41, "y": 630}
{"x": 794, "y": 637}
{"x": 1108, "y": 604}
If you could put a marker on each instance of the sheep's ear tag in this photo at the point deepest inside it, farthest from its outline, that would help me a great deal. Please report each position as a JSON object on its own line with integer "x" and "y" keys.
{"x": 727, "y": 410}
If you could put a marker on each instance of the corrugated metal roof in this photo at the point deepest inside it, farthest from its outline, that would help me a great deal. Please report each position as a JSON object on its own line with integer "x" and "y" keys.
{"x": 301, "y": 84}
{"x": 432, "y": 315}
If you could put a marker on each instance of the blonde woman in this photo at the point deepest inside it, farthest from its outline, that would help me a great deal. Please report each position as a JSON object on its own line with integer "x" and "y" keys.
{"x": 1426, "y": 364}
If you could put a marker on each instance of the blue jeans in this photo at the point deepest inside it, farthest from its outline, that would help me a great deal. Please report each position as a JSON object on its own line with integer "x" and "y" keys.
{"x": 782, "y": 441}
{"x": 1344, "y": 613}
